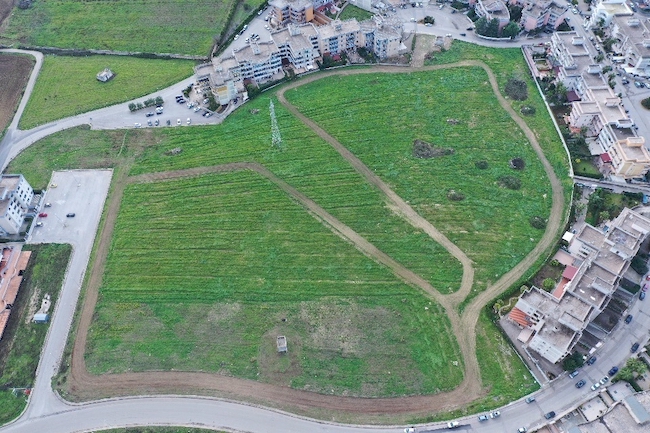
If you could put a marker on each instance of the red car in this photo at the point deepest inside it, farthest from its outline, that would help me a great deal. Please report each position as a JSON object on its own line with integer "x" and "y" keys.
{"x": 42, "y": 214}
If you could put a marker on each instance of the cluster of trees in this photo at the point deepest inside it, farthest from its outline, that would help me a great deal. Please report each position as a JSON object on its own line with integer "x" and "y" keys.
{"x": 151, "y": 102}
{"x": 491, "y": 28}
{"x": 646, "y": 103}
{"x": 555, "y": 93}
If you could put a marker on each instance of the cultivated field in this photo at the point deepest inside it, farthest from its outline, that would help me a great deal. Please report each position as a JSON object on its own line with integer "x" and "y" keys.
{"x": 68, "y": 85}
{"x": 151, "y": 26}
{"x": 260, "y": 257}
{"x": 14, "y": 74}
{"x": 224, "y": 263}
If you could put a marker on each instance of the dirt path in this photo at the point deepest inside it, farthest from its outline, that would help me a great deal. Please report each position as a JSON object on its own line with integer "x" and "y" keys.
{"x": 84, "y": 385}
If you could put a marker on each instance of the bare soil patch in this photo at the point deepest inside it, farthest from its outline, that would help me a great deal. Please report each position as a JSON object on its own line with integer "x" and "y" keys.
{"x": 6, "y": 7}
{"x": 14, "y": 74}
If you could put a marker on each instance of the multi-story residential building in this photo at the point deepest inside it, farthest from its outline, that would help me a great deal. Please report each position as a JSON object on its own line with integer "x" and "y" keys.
{"x": 606, "y": 10}
{"x": 599, "y": 107}
{"x": 633, "y": 35}
{"x": 15, "y": 200}
{"x": 493, "y": 9}
{"x": 298, "y": 47}
{"x": 540, "y": 14}
{"x": 553, "y": 323}
{"x": 292, "y": 11}
{"x": 624, "y": 153}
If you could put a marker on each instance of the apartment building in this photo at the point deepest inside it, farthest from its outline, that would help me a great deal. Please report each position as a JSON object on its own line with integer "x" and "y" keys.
{"x": 15, "y": 200}
{"x": 606, "y": 10}
{"x": 292, "y": 11}
{"x": 540, "y": 14}
{"x": 553, "y": 323}
{"x": 297, "y": 47}
{"x": 624, "y": 153}
{"x": 493, "y": 9}
{"x": 633, "y": 36}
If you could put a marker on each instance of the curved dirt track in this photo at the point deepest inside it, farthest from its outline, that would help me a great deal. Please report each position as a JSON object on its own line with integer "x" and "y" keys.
{"x": 84, "y": 385}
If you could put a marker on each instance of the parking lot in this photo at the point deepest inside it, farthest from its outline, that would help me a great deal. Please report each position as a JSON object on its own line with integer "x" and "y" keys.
{"x": 81, "y": 192}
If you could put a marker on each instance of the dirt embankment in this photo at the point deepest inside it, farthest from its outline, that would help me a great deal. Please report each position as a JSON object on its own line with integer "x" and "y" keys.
{"x": 86, "y": 386}
{"x": 14, "y": 74}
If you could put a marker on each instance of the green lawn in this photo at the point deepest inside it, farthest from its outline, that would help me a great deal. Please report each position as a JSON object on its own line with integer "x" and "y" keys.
{"x": 352, "y": 11}
{"x": 67, "y": 85}
{"x": 222, "y": 259}
{"x": 492, "y": 224}
{"x": 151, "y": 26}
{"x": 23, "y": 340}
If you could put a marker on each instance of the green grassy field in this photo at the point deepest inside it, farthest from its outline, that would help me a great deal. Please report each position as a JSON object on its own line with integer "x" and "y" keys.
{"x": 151, "y": 26}
{"x": 23, "y": 340}
{"x": 222, "y": 259}
{"x": 67, "y": 85}
{"x": 310, "y": 165}
{"x": 492, "y": 224}
{"x": 352, "y": 11}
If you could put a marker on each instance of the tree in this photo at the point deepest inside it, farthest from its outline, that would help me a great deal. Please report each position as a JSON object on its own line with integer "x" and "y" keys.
{"x": 429, "y": 20}
{"x": 633, "y": 366}
{"x": 510, "y": 30}
{"x": 603, "y": 216}
{"x": 573, "y": 361}
{"x": 548, "y": 284}
{"x": 481, "y": 26}
{"x": 493, "y": 28}
{"x": 132, "y": 106}
{"x": 515, "y": 13}
{"x": 646, "y": 103}
{"x": 580, "y": 208}
{"x": 516, "y": 89}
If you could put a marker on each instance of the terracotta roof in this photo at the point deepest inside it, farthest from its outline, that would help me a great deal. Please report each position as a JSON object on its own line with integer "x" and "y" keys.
{"x": 605, "y": 157}
{"x": 519, "y": 317}
{"x": 570, "y": 272}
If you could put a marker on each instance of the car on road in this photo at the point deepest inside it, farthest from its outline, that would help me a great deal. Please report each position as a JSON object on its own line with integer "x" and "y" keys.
{"x": 644, "y": 288}
{"x": 138, "y": 125}
{"x": 197, "y": 109}
{"x": 48, "y": 205}
{"x": 628, "y": 319}
{"x": 236, "y": 37}
{"x": 169, "y": 122}
{"x": 573, "y": 374}
{"x": 550, "y": 415}
{"x": 159, "y": 110}
{"x": 39, "y": 224}
{"x": 157, "y": 122}
{"x": 612, "y": 371}
{"x": 189, "y": 120}
{"x": 641, "y": 296}
{"x": 409, "y": 430}
{"x": 495, "y": 414}
{"x": 463, "y": 34}
{"x": 53, "y": 185}
{"x": 42, "y": 215}
{"x": 266, "y": 26}
{"x": 70, "y": 215}
{"x": 149, "y": 114}
{"x": 483, "y": 417}
{"x": 635, "y": 347}
{"x": 591, "y": 360}
{"x": 604, "y": 380}
{"x": 530, "y": 399}
{"x": 521, "y": 430}
{"x": 453, "y": 424}
{"x": 149, "y": 123}
{"x": 595, "y": 386}
{"x": 581, "y": 383}
{"x": 575, "y": 11}
{"x": 469, "y": 29}
{"x": 178, "y": 122}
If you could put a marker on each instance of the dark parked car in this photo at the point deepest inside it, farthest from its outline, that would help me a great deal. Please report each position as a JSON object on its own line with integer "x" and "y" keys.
{"x": 591, "y": 360}
{"x": 635, "y": 347}
{"x": 70, "y": 215}
{"x": 613, "y": 371}
{"x": 641, "y": 296}
{"x": 550, "y": 415}
{"x": 581, "y": 384}
{"x": 628, "y": 319}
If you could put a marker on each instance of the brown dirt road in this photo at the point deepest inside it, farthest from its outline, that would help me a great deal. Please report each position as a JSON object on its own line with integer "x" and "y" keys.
{"x": 84, "y": 385}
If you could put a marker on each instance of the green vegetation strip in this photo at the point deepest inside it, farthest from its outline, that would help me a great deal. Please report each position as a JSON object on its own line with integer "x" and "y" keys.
{"x": 351, "y": 11}
{"x": 225, "y": 263}
{"x": 158, "y": 430}
{"x": 150, "y": 26}
{"x": 21, "y": 346}
{"x": 67, "y": 86}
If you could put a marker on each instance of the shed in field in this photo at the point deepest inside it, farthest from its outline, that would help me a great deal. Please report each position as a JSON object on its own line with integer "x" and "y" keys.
{"x": 41, "y": 318}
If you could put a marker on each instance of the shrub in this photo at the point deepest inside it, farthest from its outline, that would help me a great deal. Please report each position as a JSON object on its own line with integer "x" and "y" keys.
{"x": 538, "y": 222}
{"x": 517, "y": 163}
{"x": 517, "y": 89}
{"x": 646, "y": 103}
{"x": 455, "y": 196}
{"x": 481, "y": 165}
{"x": 528, "y": 110}
{"x": 573, "y": 362}
{"x": 510, "y": 182}
{"x": 422, "y": 149}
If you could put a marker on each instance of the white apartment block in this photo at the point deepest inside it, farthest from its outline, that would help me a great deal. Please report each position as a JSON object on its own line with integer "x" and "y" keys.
{"x": 539, "y": 14}
{"x": 297, "y": 46}
{"x": 292, "y": 11}
{"x": 628, "y": 157}
{"x": 15, "y": 198}
{"x": 553, "y": 323}
{"x": 633, "y": 35}
{"x": 606, "y": 10}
